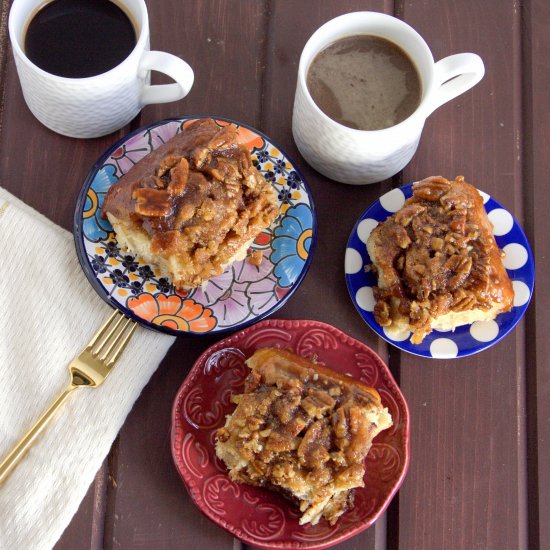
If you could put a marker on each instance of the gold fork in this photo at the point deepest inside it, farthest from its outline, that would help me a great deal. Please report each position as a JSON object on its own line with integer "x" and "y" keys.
{"x": 89, "y": 368}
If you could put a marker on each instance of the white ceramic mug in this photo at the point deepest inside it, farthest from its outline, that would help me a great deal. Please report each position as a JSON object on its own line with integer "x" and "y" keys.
{"x": 360, "y": 156}
{"x": 98, "y": 105}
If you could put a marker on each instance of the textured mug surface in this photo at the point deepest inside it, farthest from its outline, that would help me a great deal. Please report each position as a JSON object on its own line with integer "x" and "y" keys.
{"x": 360, "y": 156}
{"x": 97, "y": 105}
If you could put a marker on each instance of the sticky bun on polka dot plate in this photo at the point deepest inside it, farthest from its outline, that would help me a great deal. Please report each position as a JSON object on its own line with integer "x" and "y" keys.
{"x": 430, "y": 279}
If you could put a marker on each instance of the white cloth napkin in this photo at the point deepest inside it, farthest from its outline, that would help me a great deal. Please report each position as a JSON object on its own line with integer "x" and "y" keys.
{"x": 48, "y": 313}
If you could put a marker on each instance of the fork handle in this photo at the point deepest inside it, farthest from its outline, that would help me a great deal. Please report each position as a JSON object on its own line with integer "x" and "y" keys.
{"x": 15, "y": 456}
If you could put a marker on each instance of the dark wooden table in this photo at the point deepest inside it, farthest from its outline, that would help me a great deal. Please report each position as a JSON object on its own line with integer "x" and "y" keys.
{"x": 480, "y": 435}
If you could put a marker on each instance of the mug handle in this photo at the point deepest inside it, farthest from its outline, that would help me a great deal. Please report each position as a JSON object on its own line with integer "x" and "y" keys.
{"x": 456, "y": 74}
{"x": 175, "y": 68}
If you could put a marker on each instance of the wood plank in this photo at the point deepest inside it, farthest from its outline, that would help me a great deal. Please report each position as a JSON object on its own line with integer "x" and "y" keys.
{"x": 5, "y": 52}
{"x": 147, "y": 504}
{"x": 46, "y": 171}
{"x": 223, "y": 41}
{"x": 536, "y": 48}
{"x": 466, "y": 487}
{"x": 87, "y": 524}
{"x": 149, "y": 507}
{"x": 323, "y": 294}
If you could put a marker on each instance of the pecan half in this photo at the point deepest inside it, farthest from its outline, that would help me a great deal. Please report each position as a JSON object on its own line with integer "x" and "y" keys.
{"x": 431, "y": 189}
{"x": 152, "y": 202}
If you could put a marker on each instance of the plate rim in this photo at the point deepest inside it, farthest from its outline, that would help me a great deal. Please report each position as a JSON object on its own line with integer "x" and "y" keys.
{"x": 78, "y": 233}
{"x": 228, "y": 342}
{"x": 530, "y": 263}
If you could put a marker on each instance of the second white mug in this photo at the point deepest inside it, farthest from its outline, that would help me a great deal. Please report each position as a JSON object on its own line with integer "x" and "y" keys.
{"x": 97, "y": 105}
{"x": 356, "y": 156}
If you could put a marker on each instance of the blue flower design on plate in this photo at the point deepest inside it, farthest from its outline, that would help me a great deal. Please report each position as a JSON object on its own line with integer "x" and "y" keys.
{"x": 94, "y": 227}
{"x": 262, "y": 156}
{"x": 294, "y": 180}
{"x": 291, "y": 244}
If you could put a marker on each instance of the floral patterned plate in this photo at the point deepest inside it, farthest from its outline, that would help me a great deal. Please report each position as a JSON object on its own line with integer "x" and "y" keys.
{"x": 257, "y": 516}
{"x": 244, "y": 293}
{"x": 464, "y": 340}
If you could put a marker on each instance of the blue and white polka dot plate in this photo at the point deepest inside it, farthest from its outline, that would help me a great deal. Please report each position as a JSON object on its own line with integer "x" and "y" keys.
{"x": 464, "y": 340}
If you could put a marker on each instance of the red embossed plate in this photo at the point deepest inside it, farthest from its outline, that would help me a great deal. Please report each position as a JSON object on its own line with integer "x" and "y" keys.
{"x": 257, "y": 516}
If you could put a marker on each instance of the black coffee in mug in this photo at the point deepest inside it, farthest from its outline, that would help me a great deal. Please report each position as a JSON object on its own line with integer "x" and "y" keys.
{"x": 364, "y": 82}
{"x": 79, "y": 38}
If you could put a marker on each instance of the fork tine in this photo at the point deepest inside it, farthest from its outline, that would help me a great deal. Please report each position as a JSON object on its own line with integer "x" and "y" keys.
{"x": 111, "y": 339}
{"x": 104, "y": 333}
{"x": 120, "y": 343}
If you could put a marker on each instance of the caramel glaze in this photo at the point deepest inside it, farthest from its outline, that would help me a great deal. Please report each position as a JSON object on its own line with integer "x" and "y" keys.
{"x": 303, "y": 429}
{"x": 438, "y": 254}
{"x": 121, "y": 199}
{"x": 310, "y": 391}
{"x": 198, "y": 197}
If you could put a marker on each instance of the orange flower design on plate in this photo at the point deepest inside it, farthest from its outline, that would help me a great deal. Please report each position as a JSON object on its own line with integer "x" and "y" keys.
{"x": 175, "y": 312}
{"x": 249, "y": 138}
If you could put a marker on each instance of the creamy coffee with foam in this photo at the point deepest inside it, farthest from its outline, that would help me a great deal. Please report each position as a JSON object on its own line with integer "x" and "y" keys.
{"x": 365, "y": 82}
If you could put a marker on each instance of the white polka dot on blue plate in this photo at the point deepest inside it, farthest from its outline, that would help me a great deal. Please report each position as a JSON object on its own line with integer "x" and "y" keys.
{"x": 365, "y": 298}
{"x": 484, "y": 331}
{"x": 464, "y": 340}
{"x": 522, "y": 294}
{"x": 444, "y": 329}
{"x": 443, "y": 348}
{"x": 353, "y": 261}
{"x": 393, "y": 201}
{"x": 397, "y": 336}
{"x": 502, "y": 221}
{"x": 515, "y": 256}
{"x": 365, "y": 228}
{"x": 484, "y": 196}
